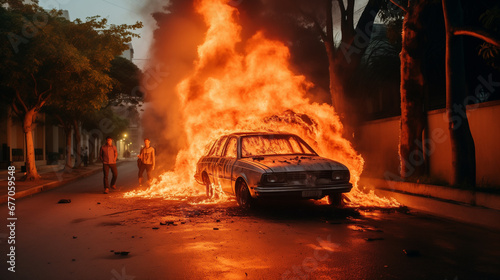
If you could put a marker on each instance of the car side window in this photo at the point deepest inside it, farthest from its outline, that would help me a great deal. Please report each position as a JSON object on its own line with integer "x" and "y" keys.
{"x": 232, "y": 148}
{"x": 296, "y": 148}
{"x": 209, "y": 148}
{"x": 213, "y": 149}
{"x": 306, "y": 149}
{"x": 216, "y": 147}
{"x": 220, "y": 148}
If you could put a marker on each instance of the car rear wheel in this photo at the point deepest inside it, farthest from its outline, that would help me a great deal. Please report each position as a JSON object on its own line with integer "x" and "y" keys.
{"x": 208, "y": 185}
{"x": 336, "y": 199}
{"x": 243, "y": 196}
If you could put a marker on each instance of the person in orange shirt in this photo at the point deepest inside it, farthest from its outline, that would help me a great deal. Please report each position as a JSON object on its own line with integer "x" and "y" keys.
{"x": 108, "y": 155}
{"x": 147, "y": 160}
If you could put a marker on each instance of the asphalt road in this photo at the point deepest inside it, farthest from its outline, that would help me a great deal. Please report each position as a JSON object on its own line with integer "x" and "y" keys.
{"x": 89, "y": 239}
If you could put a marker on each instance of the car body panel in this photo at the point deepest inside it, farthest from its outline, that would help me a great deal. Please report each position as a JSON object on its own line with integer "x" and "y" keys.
{"x": 298, "y": 175}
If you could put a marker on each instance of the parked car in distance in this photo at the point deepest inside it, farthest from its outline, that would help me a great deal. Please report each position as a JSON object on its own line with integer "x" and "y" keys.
{"x": 260, "y": 165}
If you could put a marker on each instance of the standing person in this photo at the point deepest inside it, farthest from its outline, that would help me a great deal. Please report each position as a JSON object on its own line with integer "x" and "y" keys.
{"x": 108, "y": 155}
{"x": 85, "y": 156}
{"x": 147, "y": 160}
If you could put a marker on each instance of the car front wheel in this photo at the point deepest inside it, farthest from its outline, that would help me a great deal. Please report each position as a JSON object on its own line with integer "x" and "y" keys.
{"x": 243, "y": 196}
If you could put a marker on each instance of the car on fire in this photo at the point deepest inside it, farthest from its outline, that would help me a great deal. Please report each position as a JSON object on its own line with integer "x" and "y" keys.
{"x": 260, "y": 165}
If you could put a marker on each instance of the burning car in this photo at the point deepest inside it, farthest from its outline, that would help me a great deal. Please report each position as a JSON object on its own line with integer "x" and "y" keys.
{"x": 259, "y": 165}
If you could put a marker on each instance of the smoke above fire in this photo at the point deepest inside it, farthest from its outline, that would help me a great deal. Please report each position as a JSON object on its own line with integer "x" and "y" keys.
{"x": 233, "y": 85}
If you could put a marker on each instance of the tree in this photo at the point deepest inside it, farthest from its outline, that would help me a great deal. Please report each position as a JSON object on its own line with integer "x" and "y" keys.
{"x": 126, "y": 78}
{"x": 33, "y": 60}
{"x": 87, "y": 91}
{"x": 413, "y": 92}
{"x": 490, "y": 21}
{"x": 463, "y": 156}
{"x": 344, "y": 57}
{"x": 48, "y": 57}
{"x": 422, "y": 64}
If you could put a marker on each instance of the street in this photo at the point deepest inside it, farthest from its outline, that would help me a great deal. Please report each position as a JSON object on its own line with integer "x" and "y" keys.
{"x": 99, "y": 236}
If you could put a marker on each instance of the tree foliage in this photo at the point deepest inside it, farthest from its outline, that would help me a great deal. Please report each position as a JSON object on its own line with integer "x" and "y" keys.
{"x": 490, "y": 20}
{"x": 126, "y": 77}
{"x": 50, "y": 60}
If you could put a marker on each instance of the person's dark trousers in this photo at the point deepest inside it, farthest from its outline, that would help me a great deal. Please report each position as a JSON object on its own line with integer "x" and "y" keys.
{"x": 105, "y": 170}
{"x": 148, "y": 168}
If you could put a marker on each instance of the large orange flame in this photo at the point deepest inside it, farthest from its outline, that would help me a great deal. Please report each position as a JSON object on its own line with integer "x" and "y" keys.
{"x": 249, "y": 90}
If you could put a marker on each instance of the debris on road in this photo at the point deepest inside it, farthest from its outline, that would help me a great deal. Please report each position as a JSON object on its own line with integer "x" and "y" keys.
{"x": 373, "y": 238}
{"x": 122, "y": 253}
{"x": 216, "y": 228}
{"x": 64, "y": 201}
{"x": 362, "y": 228}
{"x": 412, "y": 252}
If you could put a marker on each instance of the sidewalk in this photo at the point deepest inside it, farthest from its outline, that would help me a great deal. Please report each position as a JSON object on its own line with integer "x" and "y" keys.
{"x": 467, "y": 206}
{"x": 52, "y": 177}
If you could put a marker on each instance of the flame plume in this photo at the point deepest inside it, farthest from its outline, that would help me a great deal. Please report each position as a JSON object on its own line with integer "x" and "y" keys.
{"x": 246, "y": 86}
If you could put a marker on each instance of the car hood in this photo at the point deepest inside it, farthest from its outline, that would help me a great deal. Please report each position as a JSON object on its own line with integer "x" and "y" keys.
{"x": 296, "y": 163}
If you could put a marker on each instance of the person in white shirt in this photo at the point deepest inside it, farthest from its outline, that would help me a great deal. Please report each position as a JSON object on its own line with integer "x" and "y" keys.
{"x": 147, "y": 160}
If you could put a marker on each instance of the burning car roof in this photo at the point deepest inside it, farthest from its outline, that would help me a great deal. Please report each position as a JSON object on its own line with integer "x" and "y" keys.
{"x": 259, "y": 133}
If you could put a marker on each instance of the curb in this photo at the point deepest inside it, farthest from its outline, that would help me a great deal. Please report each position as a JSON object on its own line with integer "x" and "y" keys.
{"x": 47, "y": 186}
{"x": 50, "y": 185}
{"x": 475, "y": 208}
{"x": 474, "y": 215}
{"x": 470, "y": 197}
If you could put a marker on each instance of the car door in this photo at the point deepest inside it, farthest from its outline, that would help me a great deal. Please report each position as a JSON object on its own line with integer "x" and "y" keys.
{"x": 217, "y": 171}
{"x": 226, "y": 164}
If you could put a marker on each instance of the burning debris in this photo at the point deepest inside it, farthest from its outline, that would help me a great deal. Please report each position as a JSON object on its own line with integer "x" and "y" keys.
{"x": 168, "y": 223}
{"x": 120, "y": 253}
{"x": 240, "y": 86}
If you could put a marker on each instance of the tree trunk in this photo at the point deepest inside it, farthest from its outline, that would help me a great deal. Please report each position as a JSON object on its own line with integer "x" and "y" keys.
{"x": 463, "y": 156}
{"x": 78, "y": 140}
{"x": 31, "y": 171}
{"x": 91, "y": 151}
{"x": 413, "y": 113}
{"x": 345, "y": 59}
{"x": 67, "y": 131}
{"x": 337, "y": 84}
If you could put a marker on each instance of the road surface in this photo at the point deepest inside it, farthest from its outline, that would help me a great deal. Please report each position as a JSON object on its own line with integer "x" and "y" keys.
{"x": 99, "y": 236}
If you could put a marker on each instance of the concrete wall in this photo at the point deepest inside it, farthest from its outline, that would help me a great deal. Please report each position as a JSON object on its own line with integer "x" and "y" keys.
{"x": 378, "y": 142}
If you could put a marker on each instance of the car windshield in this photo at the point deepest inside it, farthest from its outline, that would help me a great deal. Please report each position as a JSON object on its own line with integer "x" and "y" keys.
{"x": 267, "y": 145}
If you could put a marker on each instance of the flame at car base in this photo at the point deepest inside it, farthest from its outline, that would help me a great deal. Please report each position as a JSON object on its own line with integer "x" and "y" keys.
{"x": 234, "y": 90}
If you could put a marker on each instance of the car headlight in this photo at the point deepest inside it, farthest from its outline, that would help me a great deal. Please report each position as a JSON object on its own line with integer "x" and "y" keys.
{"x": 275, "y": 178}
{"x": 341, "y": 175}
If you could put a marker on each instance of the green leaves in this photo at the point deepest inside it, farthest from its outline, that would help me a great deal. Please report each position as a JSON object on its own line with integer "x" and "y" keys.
{"x": 42, "y": 50}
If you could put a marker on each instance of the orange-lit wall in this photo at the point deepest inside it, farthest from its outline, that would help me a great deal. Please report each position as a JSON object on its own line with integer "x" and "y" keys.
{"x": 378, "y": 140}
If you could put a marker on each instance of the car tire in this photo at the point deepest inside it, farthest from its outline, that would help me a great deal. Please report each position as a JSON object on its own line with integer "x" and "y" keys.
{"x": 243, "y": 197}
{"x": 208, "y": 185}
{"x": 336, "y": 200}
